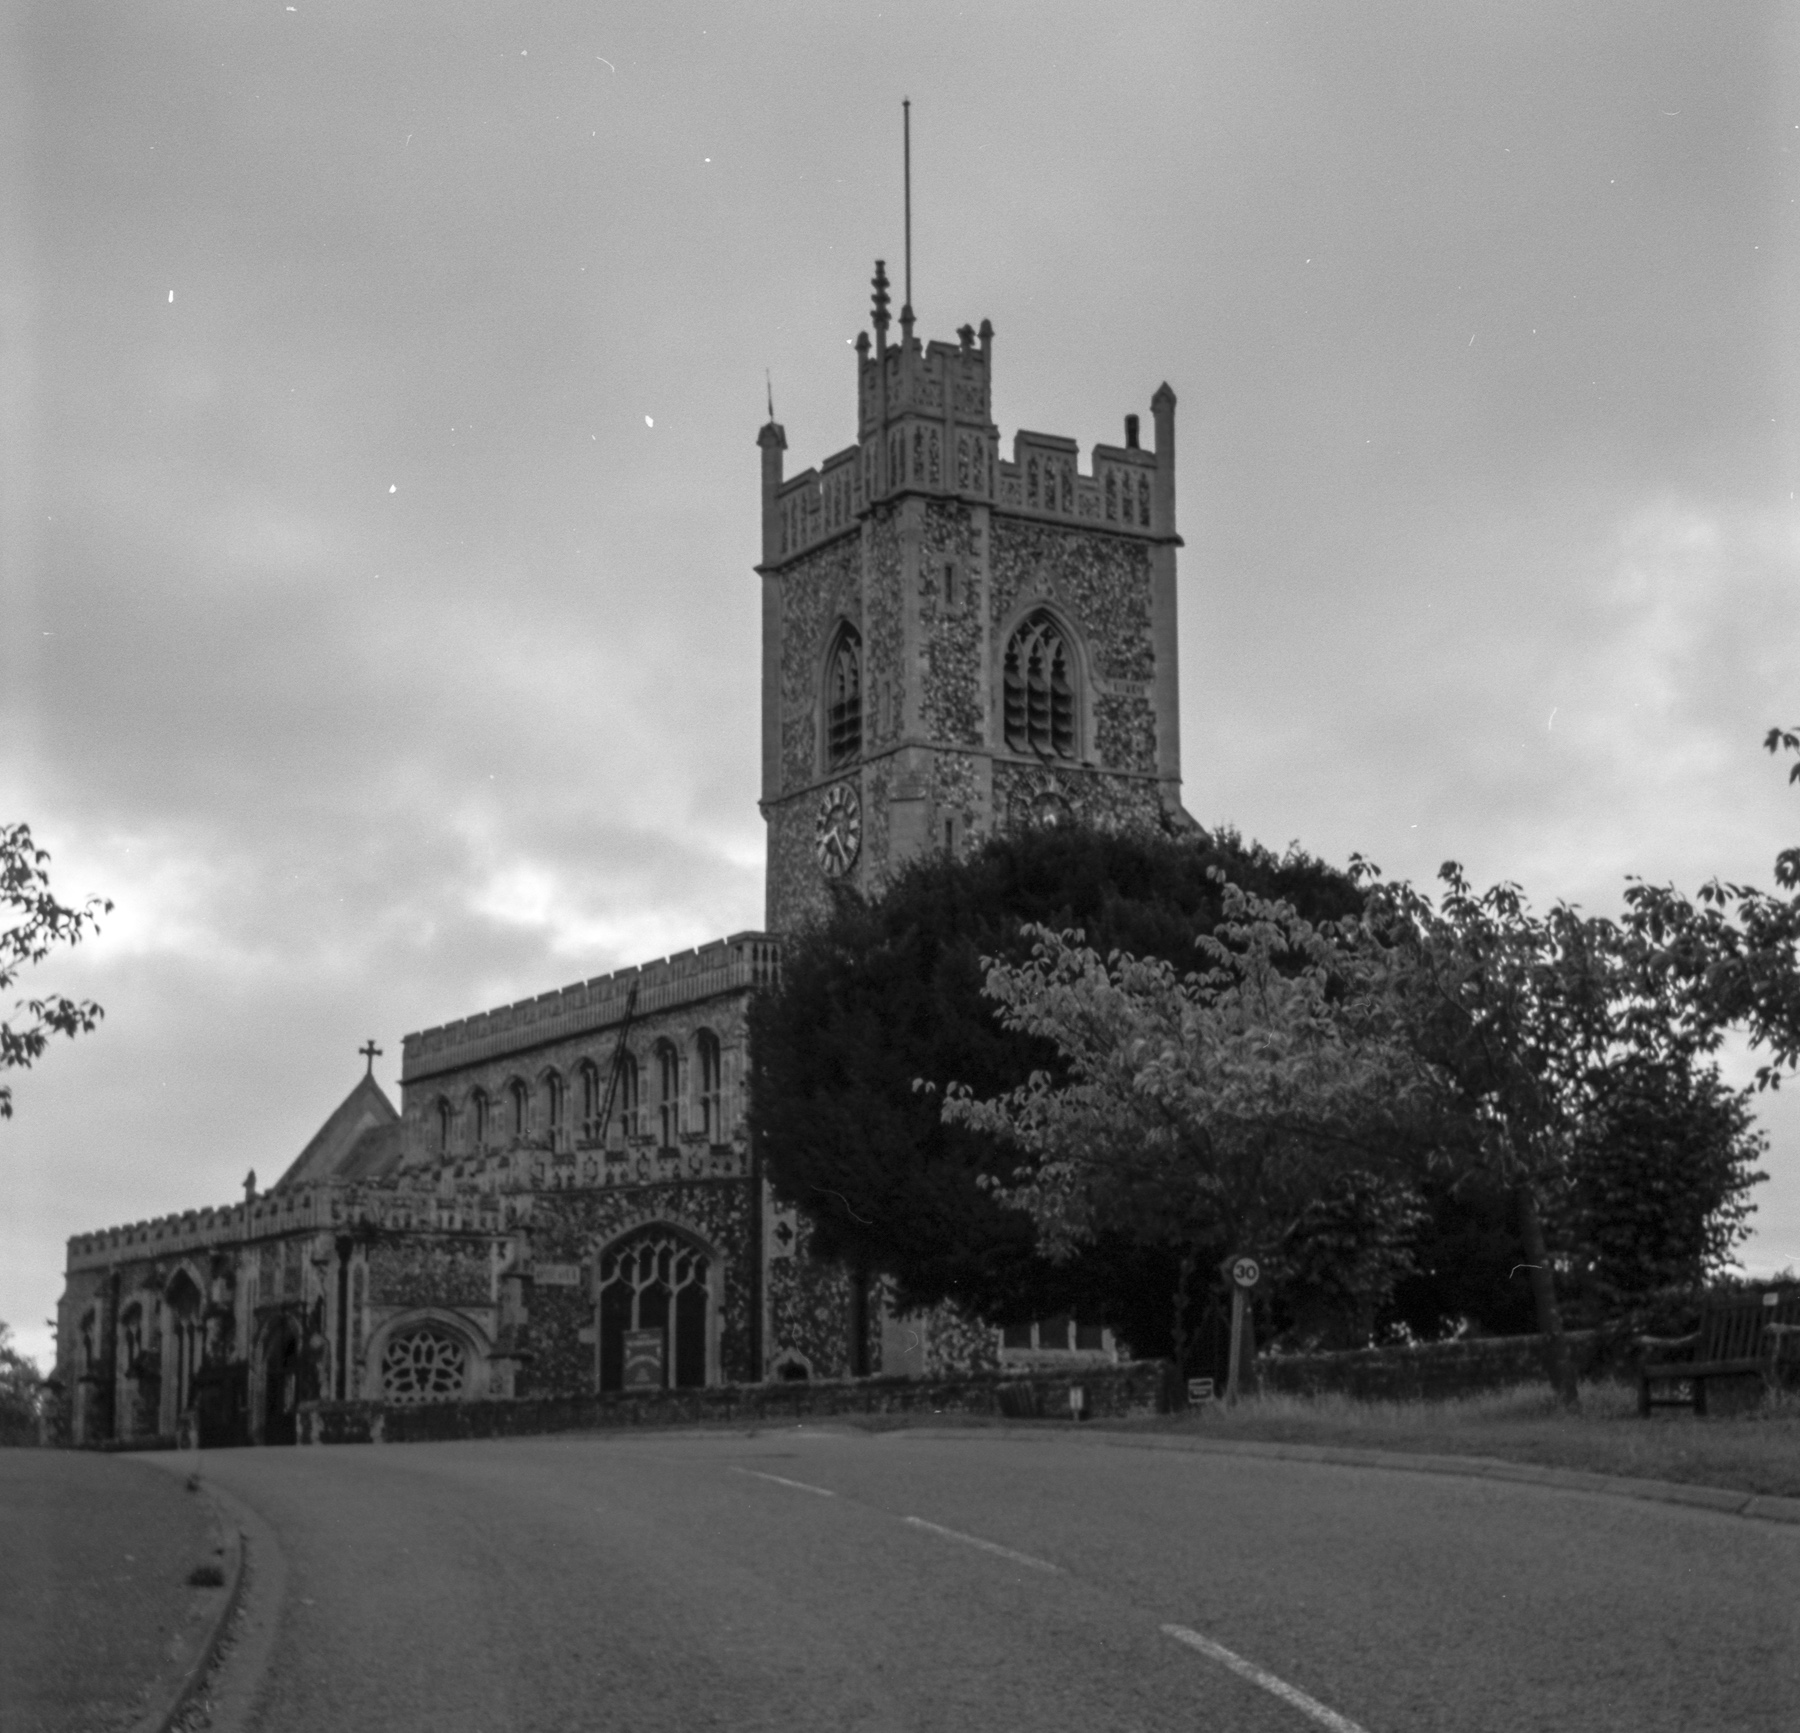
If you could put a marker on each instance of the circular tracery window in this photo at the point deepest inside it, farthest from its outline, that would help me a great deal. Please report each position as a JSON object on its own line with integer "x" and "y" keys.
{"x": 424, "y": 1365}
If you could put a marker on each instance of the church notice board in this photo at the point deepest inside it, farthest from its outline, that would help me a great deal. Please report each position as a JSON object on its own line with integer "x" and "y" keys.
{"x": 643, "y": 1359}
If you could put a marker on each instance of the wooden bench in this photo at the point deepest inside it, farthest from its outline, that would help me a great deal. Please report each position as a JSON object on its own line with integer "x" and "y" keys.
{"x": 1739, "y": 1334}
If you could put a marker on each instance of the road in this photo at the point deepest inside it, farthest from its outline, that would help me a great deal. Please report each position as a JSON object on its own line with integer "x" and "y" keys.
{"x": 821, "y": 1578}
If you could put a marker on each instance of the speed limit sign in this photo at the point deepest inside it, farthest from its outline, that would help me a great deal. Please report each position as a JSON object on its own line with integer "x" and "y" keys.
{"x": 1245, "y": 1271}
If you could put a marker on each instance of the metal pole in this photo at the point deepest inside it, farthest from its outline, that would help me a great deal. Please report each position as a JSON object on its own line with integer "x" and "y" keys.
{"x": 906, "y": 133}
{"x": 1237, "y": 1343}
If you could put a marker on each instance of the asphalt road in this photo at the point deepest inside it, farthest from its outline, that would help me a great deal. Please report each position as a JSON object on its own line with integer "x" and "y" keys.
{"x": 827, "y": 1579}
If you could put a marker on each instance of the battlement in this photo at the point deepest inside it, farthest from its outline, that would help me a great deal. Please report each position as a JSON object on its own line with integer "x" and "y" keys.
{"x": 925, "y": 425}
{"x": 744, "y": 960}
{"x": 488, "y": 1194}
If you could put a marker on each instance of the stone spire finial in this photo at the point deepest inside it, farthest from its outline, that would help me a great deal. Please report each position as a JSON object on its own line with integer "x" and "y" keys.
{"x": 880, "y": 282}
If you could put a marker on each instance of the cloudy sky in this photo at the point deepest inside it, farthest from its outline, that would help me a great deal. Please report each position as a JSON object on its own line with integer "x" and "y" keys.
{"x": 380, "y": 391}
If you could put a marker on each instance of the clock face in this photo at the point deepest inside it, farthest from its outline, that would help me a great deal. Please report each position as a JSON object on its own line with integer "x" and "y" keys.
{"x": 837, "y": 831}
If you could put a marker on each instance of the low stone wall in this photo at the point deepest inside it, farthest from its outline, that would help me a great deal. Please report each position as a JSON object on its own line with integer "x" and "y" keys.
{"x": 1110, "y": 1392}
{"x": 1435, "y": 1370}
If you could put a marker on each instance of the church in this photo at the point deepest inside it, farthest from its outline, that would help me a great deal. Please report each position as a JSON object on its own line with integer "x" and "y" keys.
{"x": 566, "y": 1200}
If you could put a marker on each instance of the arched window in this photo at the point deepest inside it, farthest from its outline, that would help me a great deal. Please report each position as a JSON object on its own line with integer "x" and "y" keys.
{"x": 629, "y": 1125}
{"x": 446, "y": 1124}
{"x": 519, "y": 1097}
{"x": 843, "y": 700}
{"x": 479, "y": 1119}
{"x": 712, "y": 1121}
{"x": 668, "y": 1094}
{"x": 590, "y": 1101}
{"x": 428, "y": 1363}
{"x": 657, "y": 1281}
{"x": 553, "y": 1108}
{"x": 185, "y": 1331}
{"x": 1040, "y": 690}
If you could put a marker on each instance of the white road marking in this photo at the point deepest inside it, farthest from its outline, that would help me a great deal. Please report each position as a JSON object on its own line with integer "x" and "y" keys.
{"x": 782, "y": 1480}
{"x": 1279, "y": 1687}
{"x": 1023, "y": 1558}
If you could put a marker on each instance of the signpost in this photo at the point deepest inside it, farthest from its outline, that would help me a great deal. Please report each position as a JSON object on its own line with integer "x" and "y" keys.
{"x": 1244, "y": 1272}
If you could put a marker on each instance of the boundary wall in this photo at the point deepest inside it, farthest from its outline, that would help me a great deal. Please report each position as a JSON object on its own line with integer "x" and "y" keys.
{"x": 1109, "y": 1392}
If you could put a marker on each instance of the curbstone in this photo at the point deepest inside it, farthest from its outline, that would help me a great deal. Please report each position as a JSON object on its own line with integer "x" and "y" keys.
{"x": 231, "y": 1547}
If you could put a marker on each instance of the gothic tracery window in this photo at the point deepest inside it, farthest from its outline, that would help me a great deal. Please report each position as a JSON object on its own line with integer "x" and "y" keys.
{"x": 843, "y": 700}
{"x": 553, "y": 1108}
{"x": 628, "y": 1096}
{"x": 1039, "y": 679}
{"x": 520, "y": 1099}
{"x": 655, "y": 1281}
{"x": 479, "y": 1118}
{"x": 427, "y": 1364}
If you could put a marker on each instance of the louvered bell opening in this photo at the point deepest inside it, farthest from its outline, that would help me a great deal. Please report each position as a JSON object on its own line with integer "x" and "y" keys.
{"x": 1018, "y": 734}
{"x": 1062, "y": 705}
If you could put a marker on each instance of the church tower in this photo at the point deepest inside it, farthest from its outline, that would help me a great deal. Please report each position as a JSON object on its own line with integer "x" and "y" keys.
{"x": 955, "y": 642}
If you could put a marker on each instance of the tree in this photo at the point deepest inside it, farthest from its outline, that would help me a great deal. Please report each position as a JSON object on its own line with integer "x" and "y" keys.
{"x": 1730, "y": 957}
{"x": 1226, "y": 1102}
{"x": 889, "y": 989}
{"x": 21, "y": 1393}
{"x": 44, "y": 924}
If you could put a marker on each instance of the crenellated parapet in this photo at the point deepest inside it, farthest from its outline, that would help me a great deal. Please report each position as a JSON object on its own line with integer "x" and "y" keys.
{"x": 925, "y": 426}
{"x": 744, "y": 960}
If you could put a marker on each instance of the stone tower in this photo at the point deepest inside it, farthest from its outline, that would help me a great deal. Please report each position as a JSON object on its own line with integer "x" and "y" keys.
{"x": 955, "y": 642}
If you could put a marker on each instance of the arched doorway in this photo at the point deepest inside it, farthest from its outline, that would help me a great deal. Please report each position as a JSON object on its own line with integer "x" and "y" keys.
{"x": 654, "y": 1304}
{"x": 281, "y": 1385}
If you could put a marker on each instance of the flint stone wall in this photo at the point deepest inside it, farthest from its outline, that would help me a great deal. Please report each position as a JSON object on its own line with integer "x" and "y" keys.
{"x": 1112, "y": 1392}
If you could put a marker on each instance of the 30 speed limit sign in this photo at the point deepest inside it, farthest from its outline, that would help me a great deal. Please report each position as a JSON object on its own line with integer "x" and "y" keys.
{"x": 1245, "y": 1272}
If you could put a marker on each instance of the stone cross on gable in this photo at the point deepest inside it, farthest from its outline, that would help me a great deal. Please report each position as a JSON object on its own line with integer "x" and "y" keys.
{"x": 371, "y": 1053}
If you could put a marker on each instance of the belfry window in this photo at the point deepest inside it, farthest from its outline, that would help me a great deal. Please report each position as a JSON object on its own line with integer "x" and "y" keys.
{"x": 843, "y": 701}
{"x": 519, "y": 1098}
{"x": 446, "y": 1121}
{"x": 1040, "y": 690}
{"x": 479, "y": 1118}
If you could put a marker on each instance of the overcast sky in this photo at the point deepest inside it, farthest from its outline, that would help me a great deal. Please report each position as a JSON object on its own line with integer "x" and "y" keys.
{"x": 380, "y": 483}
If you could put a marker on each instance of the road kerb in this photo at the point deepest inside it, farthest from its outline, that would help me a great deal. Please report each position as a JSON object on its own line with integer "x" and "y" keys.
{"x": 229, "y": 1549}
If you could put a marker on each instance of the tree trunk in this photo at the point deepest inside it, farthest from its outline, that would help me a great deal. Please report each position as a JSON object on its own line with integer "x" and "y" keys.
{"x": 1188, "y": 1259}
{"x": 1543, "y": 1291}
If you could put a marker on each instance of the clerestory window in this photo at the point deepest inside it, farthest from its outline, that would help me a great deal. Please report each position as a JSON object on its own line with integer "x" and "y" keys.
{"x": 712, "y": 1123}
{"x": 843, "y": 700}
{"x": 668, "y": 1075}
{"x": 1039, "y": 695}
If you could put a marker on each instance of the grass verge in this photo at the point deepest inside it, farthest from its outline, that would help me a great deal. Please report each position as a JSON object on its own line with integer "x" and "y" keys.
{"x": 1754, "y": 1450}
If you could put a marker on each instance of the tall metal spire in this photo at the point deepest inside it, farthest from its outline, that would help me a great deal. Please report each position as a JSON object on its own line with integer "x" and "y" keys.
{"x": 906, "y": 154}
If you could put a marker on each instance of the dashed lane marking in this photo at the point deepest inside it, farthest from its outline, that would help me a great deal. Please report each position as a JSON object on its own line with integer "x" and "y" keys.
{"x": 782, "y": 1480}
{"x": 1257, "y": 1676}
{"x": 1023, "y": 1558}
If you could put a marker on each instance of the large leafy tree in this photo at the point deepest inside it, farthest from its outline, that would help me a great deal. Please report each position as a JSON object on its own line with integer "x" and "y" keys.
{"x": 21, "y": 1394}
{"x": 1231, "y": 1101}
{"x": 39, "y": 924}
{"x": 1572, "y": 1081}
{"x": 889, "y": 990}
{"x": 1729, "y": 957}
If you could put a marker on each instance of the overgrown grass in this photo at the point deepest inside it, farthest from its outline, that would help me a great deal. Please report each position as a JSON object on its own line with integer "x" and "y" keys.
{"x": 1756, "y": 1449}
